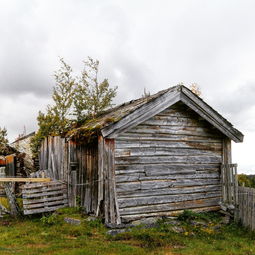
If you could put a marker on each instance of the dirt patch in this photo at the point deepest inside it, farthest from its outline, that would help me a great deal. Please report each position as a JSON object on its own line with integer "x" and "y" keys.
{"x": 38, "y": 245}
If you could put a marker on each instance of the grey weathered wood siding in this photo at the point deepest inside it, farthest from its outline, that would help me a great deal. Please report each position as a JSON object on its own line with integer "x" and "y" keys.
{"x": 77, "y": 165}
{"x": 168, "y": 163}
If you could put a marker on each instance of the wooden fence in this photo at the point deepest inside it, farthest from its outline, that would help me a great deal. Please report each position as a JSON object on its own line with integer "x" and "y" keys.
{"x": 241, "y": 199}
{"x": 245, "y": 209}
{"x": 44, "y": 197}
{"x": 76, "y": 165}
{"x": 229, "y": 180}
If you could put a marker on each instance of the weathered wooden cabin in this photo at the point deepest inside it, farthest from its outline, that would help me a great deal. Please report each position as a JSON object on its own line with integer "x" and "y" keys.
{"x": 153, "y": 156}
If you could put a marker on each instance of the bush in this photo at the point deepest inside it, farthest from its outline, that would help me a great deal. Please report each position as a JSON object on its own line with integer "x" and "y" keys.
{"x": 189, "y": 215}
{"x": 50, "y": 220}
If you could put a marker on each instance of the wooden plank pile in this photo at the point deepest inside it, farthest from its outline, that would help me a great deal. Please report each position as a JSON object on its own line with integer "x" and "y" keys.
{"x": 44, "y": 197}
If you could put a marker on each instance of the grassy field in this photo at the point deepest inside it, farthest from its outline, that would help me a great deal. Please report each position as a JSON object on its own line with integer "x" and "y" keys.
{"x": 51, "y": 235}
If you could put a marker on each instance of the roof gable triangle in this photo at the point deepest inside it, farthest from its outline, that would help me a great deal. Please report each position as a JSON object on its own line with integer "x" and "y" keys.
{"x": 162, "y": 102}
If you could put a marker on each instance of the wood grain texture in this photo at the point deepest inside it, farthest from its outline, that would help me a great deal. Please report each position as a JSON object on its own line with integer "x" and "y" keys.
{"x": 168, "y": 163}
{"x": 245, "y": 212}
{"x": 44, "y": 197}
{"x": 167, "y": 99}
{"x": 77, "y": 165}
{"x": 141, "y": 114}
{"x": 111, "y": 207}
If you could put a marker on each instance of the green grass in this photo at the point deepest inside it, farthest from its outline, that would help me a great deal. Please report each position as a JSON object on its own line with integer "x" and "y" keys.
{"x": 51, "y": 235}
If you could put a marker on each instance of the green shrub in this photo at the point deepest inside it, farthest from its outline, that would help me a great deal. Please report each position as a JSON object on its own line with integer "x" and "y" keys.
{"x": 97, "y": 223}
{"x": 50, "y": 220}
{"x": 189, "y": 215}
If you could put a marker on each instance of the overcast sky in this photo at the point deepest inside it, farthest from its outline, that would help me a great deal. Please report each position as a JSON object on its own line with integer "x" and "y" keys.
{"x": 152, "y": 44}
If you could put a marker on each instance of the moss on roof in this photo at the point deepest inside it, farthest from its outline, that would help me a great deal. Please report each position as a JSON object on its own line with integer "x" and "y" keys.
{"x": 93, "y": 126}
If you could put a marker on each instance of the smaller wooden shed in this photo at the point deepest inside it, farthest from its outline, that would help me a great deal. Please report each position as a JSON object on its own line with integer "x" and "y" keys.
{"x": 153, "y": 156}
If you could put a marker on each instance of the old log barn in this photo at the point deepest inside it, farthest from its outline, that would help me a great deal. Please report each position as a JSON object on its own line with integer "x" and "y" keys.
{"x": 153, "y": 156}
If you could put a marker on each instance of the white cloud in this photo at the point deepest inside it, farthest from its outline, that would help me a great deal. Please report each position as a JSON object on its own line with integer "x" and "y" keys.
{"x": 152, "y": 44}
{"x": 19, "y": 112}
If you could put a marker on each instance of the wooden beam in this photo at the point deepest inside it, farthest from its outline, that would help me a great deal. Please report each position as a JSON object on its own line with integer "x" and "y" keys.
{"x": 13, "y": 179}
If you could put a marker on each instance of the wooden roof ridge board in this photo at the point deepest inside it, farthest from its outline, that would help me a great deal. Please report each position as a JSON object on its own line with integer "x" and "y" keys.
{"x": 164, "y": 99}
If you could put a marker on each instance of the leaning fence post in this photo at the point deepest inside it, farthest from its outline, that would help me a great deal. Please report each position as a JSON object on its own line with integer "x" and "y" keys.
{"x": 15, "y": 210}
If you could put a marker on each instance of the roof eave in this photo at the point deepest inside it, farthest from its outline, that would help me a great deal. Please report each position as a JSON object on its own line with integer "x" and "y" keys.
{"x": 170, "y": 97}
{"x": 141, "y": 114}
{"x": 209, "y": 114}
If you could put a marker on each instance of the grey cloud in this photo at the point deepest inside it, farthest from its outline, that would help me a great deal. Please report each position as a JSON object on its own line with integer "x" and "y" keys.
{"x": 140, "y": 44}
{"x": 239, "y": 100}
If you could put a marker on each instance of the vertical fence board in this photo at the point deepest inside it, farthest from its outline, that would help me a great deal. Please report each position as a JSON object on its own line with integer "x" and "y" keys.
{"x": 246, "y": 207}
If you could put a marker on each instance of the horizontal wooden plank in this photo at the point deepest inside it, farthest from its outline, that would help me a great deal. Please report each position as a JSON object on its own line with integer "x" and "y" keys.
{"x": 214, "y": 201}
{"x": 168, "y": 159}
{"x": 165, "y": 138}
{"x": 169, "y": 191}
{"x": 162, "y": 170}
{"x": 45, "y": 204}
{"x": 42, "y": 210}
{"x": 163, "y": 120}
{"x": 163, "y": 199}
{"x": 166, "y": 168}
{"x": 179, "y": 114}
{"x": 175, "y": 130}
{"x": 36, "y": 195}
{"x": 142, "y": 177}
{"x": 34, "y": 185}
{"x": 44, "y": 199}
{"x": 44, "y": 189}
{"x": 155, "y": 171}
{"x": 202, "y": 208}
{"x": 18, "y": 179}
{"x": 164, "y": 152}
{"x": 148, "y": 185}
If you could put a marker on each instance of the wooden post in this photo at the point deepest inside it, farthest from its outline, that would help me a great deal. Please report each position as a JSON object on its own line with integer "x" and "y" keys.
{"x": 236, "y": 184}
{"x": 100, "y": 174}
{"x": 253, "y": 210}
{"x": 72, "y": 196}
{"x": 227, "y": 160}
{"x": 10, "y": 165}
{"x": 110, "y": 199}
{"x": 106, "y": 184}
{"x": 223, "y": 183}
{"x": 15, "y": 211}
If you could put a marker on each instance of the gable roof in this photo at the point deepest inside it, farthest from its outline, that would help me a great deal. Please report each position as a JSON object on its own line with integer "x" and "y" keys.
{"x": 125, "y": 116}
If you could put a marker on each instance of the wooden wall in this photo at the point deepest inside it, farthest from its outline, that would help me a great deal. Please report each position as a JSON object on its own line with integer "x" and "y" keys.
{"x": 107, "y": 196}
{"x": 77, "y": 165}
{"x": 168, "y": 163}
